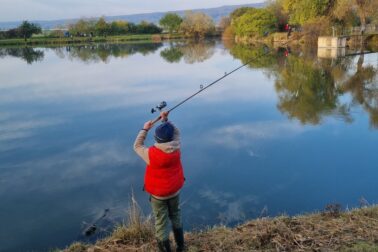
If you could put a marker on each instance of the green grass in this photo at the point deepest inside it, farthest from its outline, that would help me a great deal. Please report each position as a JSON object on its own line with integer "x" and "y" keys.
{"x": 80, "y": 40}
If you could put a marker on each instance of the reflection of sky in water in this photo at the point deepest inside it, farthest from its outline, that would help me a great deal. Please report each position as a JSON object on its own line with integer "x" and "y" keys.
{"x": 67, "y": 129}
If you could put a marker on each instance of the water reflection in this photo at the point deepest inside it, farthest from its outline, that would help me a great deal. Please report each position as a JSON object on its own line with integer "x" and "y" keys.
{"x": 260, "y": 56}
{"x": 172, "y": 54}
{"x": 307, "y": 91}
{"x": 103, "y": 52}
{"x": 192, "y": 52}
{"x": 66, "y": 139}
{"x": 28, "y": 54}
{"x": 363, "y": 86}
{"x": 308, "y": 88}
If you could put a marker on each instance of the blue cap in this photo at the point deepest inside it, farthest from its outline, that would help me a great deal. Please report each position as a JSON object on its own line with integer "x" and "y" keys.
{"x": 164, "y": 132}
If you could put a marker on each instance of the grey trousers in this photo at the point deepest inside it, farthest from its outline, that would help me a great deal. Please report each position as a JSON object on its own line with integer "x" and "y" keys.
{"x": 164, "y": 210}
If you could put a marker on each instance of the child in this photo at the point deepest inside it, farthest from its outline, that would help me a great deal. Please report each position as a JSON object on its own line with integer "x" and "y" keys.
{"x": 163, "y": 179}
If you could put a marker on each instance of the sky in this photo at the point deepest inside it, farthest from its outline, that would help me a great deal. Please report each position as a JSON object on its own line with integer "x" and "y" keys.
{"x": 15, "y": 10}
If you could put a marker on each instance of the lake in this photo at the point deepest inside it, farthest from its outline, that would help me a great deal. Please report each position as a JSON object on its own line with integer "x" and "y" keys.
{"x": 288, "y": 134}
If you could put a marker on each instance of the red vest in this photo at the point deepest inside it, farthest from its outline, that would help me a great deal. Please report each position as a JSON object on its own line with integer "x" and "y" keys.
{"x": 164, "y": 175}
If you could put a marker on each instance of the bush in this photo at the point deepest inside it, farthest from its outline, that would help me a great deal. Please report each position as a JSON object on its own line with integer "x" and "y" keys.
{"x": 255, "y": 22}
{"x": 147, "y": 28}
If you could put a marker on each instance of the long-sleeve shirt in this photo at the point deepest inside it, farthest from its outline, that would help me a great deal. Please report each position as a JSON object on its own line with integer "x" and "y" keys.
{"x": 168, "y": 147}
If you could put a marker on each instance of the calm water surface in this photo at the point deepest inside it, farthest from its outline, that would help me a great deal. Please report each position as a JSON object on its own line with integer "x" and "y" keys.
{"x": 288, "y": 134}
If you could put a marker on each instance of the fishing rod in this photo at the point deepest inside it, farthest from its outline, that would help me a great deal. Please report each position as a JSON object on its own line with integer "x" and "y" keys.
{"x": 163, "y": 104}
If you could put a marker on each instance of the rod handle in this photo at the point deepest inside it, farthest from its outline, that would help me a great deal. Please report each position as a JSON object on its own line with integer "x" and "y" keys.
{"x": 156, "y": 120}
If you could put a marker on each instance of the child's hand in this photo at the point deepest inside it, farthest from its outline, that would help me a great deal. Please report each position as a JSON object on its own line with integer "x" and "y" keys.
{"x": 148, "y": 125}
{"x": 164, "y": 116}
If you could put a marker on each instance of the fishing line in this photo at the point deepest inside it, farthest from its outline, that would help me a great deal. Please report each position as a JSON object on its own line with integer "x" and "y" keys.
{"x": 163, "y": 104}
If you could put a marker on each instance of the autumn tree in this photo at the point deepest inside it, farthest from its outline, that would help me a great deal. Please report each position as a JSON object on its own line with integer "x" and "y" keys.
{"x": 197, "y": 24}
{"x": 121, "y": 27}
{"x": 276, "y": 8}
{"x": 82, "y": 26}
{"x": 224, "y": 23}
{"x": 102, "y": 27}
{"x": 365, "y": 9}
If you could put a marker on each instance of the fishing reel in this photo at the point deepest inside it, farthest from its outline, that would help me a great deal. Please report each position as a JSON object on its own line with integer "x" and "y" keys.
{"x": 159, "y": 107}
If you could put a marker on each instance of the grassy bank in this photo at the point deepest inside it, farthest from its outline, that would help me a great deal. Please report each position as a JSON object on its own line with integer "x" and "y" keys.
{"x": 81, "y": 40}
{"x": 332, "y": 230}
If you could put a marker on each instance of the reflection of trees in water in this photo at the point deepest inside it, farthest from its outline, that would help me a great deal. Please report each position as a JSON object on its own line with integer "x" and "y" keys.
{"x": 309, "y": 88}
{"x": 307, "y": 92}
{"x": 103, "y": 52}
{"x": 260, "y": 56}
{"x": 192, "y": 52}
{"x": 364, "y": 89}
{"x": 198, "y": 52}
{"x": 28, "y": 54}
{"x": 172, "y": 54}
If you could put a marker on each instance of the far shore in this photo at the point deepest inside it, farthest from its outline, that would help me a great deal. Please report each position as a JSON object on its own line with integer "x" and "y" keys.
{"x": 82, "y": 40}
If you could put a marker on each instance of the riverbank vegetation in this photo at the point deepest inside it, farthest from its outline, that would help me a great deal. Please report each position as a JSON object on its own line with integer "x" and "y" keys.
{"x": 329, "y": 230}
{"x": 24, "y": 31}
{"x": 305, "y": 20}
{"x": 86, "y": 40}
{"x": 172, "y": 26}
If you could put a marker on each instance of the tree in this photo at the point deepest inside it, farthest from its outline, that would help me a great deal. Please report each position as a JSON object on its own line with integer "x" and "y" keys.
{"x": 239, "y": 12}
{"x": 275, "y": 7}
{"x": 197, "y": 24}
{"x": 301, "y": 11}
{"x": 26, "y": 29}
{"x": 224, "y": 23}
{"x": 82, "y": 27}
{"x": 255, "y": 22}
{"x": 365, "y": 9}
{"x": 102, "y": 28}
{"x": 119, "y": 27}
{"x": 147, "y": 28}
{"x": 171, "y": 22}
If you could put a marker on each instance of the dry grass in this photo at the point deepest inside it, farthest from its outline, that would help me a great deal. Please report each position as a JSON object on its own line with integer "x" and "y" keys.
{"x": 331, "y": 230}
{"x": 316, "y": 232}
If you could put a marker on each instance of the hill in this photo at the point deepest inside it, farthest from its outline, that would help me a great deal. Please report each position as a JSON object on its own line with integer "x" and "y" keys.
{"x": 216, "y": 13}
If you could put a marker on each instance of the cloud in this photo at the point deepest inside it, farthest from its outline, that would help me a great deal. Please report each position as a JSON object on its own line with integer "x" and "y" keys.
{"x": 12, "y": 130}
{"x": 232, "y": 207}
{"x": 87, "y": 163}
{"x": 244, "y": 135}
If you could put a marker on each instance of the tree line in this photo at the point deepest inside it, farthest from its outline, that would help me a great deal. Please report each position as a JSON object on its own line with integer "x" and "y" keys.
{"x": 315, "y": 17}
{"x": 194, "y": 24}
{"x": 25, "y": 31}
{"x": 100, "y": 27}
